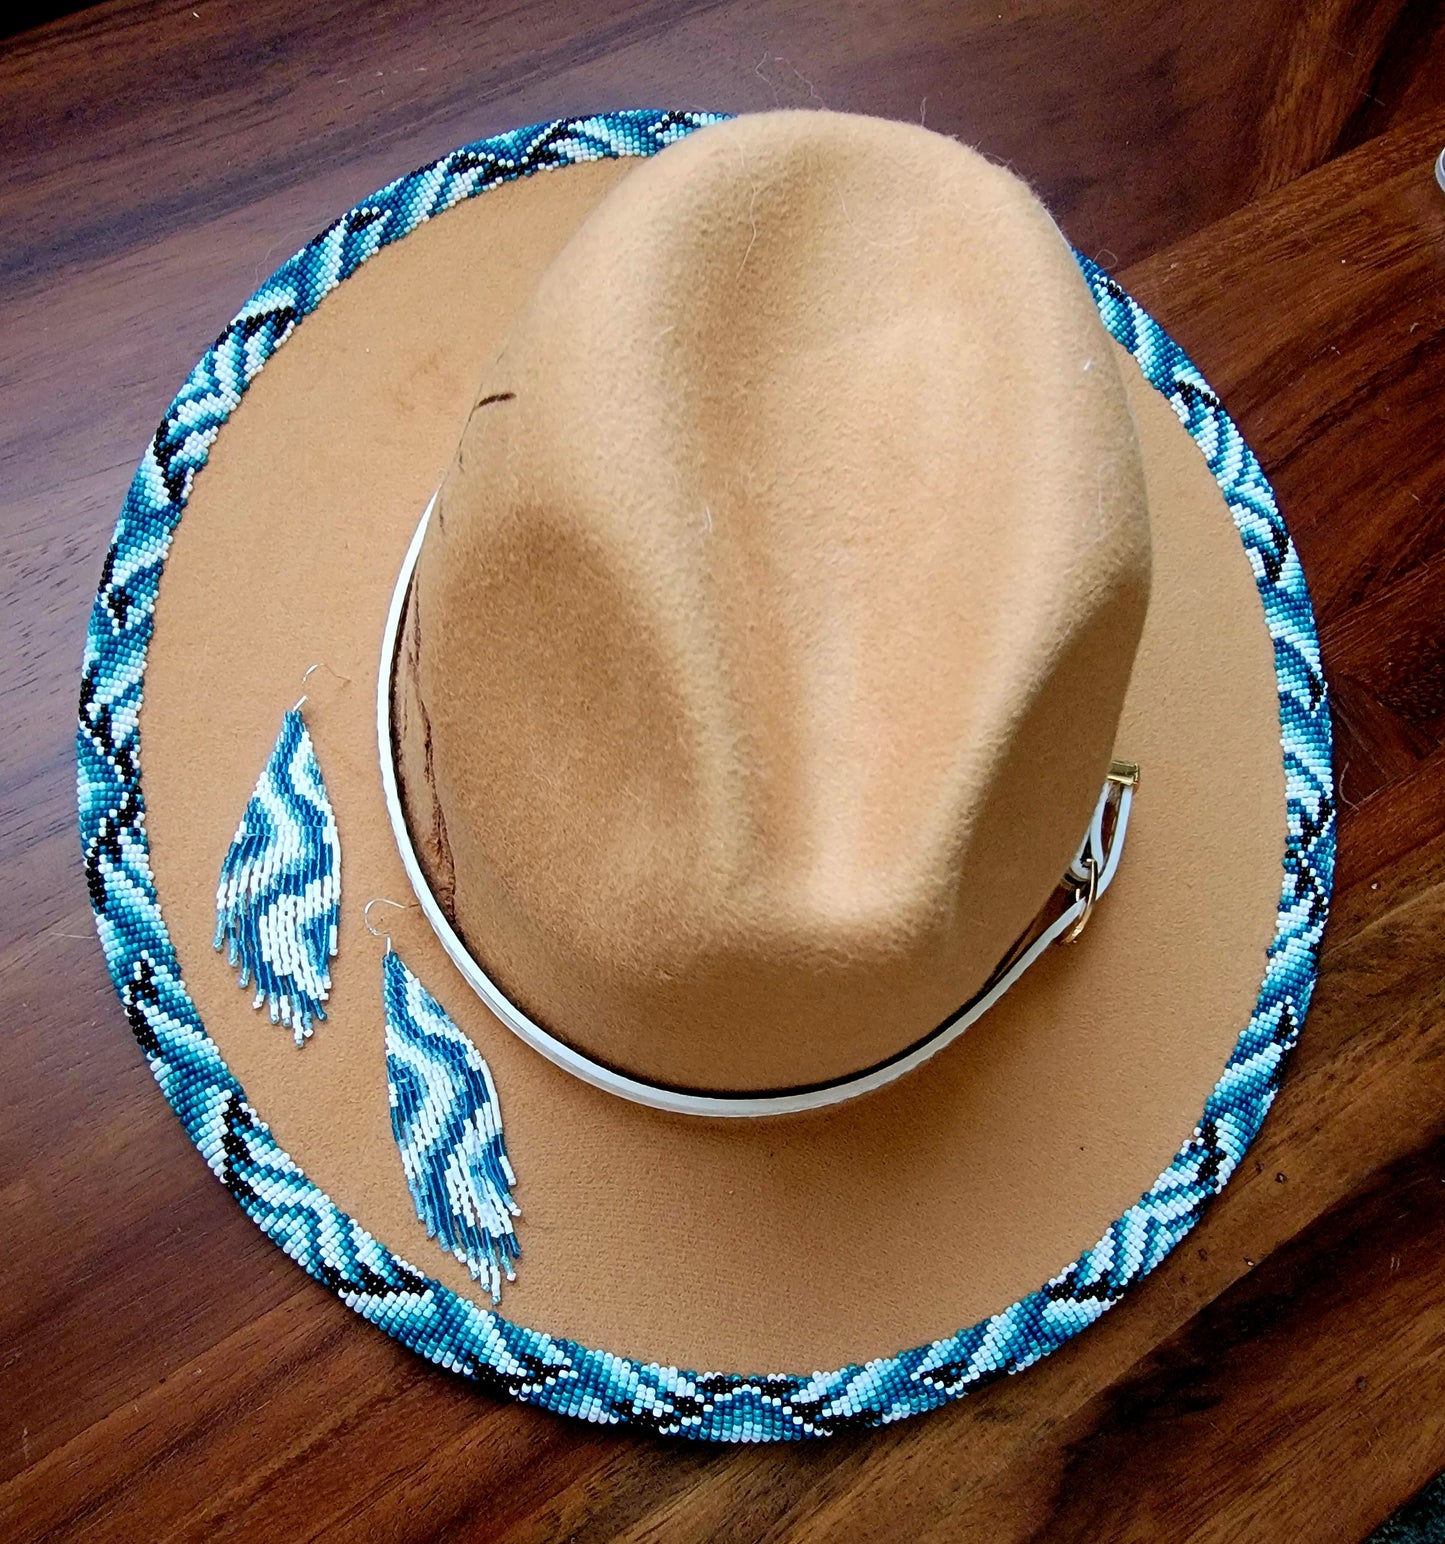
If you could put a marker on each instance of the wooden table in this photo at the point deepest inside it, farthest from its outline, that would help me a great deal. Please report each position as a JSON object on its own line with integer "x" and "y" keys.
{"x": 1259, "y": 174}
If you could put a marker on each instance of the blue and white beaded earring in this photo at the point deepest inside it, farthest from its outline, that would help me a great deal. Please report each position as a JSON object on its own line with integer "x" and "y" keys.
{"x": 279, "y": 894}
{"x": 447, "y": 1122}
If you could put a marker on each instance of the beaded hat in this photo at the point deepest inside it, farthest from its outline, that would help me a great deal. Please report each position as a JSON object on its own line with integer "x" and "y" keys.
{"x": 748, "y": 578}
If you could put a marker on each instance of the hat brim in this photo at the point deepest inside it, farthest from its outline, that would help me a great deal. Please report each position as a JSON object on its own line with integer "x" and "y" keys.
{"x": 1069, "y": 1139}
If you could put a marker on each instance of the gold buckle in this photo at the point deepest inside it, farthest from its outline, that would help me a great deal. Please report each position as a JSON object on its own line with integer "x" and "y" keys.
{"x": 1092, "y": 895}
{"x": 1124, "y": 774}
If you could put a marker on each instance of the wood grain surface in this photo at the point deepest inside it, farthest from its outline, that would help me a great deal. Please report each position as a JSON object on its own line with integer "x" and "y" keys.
{"x": 1259, "y": 174}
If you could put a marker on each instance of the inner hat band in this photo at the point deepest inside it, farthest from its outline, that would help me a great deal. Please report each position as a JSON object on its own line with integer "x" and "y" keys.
{"x": 1088, "y": 877}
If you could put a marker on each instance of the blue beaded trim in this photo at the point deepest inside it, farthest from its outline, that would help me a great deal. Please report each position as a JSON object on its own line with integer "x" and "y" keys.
{"x": 428, "y": 1317}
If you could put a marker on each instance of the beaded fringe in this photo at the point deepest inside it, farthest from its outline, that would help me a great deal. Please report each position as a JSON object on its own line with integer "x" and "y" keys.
{"x": 447, "y": 1122}
{"x": 280, "y": 889}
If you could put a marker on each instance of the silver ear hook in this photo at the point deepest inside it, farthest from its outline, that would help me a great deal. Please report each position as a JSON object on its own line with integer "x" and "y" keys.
{"x": 306, "y": 676}
{"x": 379, "y": 900}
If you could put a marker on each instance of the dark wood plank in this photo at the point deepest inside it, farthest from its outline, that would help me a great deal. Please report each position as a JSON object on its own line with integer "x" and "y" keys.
{"x": 165, "y": 1372}
{"x": 1137, "y": 122}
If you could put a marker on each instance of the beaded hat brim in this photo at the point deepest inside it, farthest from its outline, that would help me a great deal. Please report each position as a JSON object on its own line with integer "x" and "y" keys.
{"x": 914, "y": 1245}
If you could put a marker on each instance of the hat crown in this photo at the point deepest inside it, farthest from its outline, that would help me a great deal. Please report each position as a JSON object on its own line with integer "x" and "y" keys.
{"x": 767, "y": 645}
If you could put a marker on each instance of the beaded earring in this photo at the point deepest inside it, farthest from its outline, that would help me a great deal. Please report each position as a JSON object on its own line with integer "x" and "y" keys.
{"x": 447, "y": 1122}
{"x": 279, "y": 894}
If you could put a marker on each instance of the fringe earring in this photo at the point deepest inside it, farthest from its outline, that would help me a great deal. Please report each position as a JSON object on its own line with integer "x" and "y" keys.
{"x": 447, "y": 1122}
{"x": 279, "y": 894}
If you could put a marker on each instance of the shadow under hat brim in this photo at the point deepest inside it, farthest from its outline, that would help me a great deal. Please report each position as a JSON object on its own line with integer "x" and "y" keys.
{"x": 781, "y": 1245}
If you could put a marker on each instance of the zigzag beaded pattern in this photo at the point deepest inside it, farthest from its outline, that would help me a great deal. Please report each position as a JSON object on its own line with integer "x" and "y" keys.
{"x": 279, "y": 894}
{"x": 479, "y": 1344}
{"x": 447, "y": 1122}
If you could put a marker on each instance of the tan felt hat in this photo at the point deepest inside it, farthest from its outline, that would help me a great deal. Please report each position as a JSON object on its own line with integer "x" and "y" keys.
{"x": 757, "y": 592}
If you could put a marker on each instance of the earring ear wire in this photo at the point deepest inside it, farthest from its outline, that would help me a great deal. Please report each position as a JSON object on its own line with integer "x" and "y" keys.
{"x": 306, "y": 676}
{"x": 379, "y": 900}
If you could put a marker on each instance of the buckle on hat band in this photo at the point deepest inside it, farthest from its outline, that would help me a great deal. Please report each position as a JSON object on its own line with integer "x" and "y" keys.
{"x": 1094, "y": 856}
{"x": 1062, "y": 920}
{"x": 1091, "y": 896}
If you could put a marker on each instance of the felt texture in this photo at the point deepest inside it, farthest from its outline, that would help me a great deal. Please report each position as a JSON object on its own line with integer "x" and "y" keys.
{"x": 766, "y": 649}
{"x": 795, "y": 1243}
